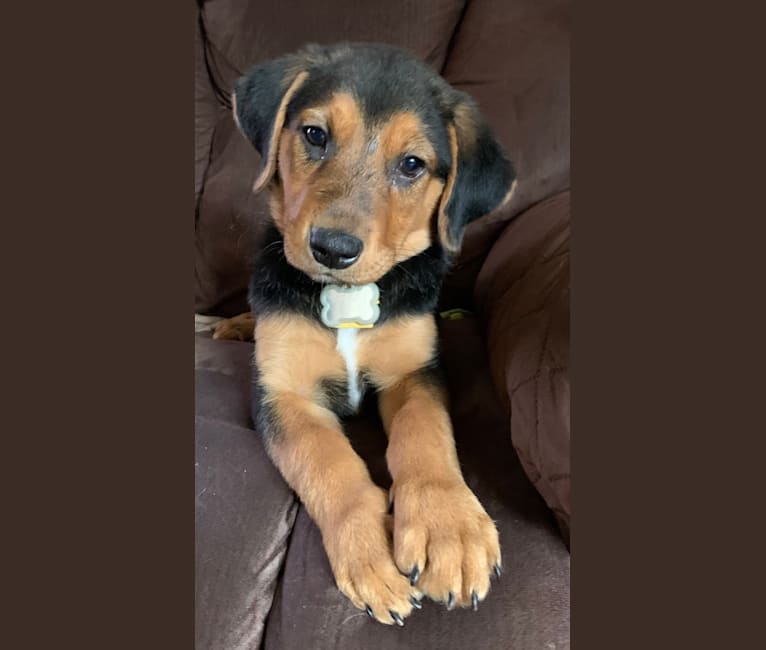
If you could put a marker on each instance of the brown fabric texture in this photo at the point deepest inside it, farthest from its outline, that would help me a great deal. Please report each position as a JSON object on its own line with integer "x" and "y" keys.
{"x": 244, "y": 510}
{"x": 513, "y": 58}
{"x": 523, "y": 292}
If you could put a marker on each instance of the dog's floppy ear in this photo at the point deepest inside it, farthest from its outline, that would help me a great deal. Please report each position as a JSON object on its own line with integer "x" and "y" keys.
{"x": 480, "y": 178}
{"x": 259, "y": 103}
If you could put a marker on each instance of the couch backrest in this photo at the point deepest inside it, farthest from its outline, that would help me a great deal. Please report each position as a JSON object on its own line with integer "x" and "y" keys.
{"x": 511, "y": 55}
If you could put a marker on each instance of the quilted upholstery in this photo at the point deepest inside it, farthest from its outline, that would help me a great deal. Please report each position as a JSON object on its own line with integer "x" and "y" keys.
{"x": 523, "y": 291}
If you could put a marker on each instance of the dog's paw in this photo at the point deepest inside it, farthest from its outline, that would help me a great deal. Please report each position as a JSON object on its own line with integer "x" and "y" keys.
{"x": 360, "y": 552}
{"x": 239, "y": 328}
{"x": 445, "y": 541}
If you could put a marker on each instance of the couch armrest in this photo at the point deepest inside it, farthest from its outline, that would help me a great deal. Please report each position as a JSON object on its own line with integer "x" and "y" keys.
{"x": 244, "y": 510}
{"x": 522, "y": 293}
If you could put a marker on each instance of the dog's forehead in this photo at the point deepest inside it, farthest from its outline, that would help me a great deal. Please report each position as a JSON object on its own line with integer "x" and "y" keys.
{"x": 382, "y": 80}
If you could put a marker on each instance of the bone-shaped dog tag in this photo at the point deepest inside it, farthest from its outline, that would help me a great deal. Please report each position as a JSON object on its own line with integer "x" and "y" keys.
{"x": 353, "y": 306}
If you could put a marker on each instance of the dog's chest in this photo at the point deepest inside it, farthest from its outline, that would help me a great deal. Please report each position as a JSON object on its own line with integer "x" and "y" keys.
{"x": 383, "y": 355}
{"x": 298, "y": 356}
{"x": 360, "y": 355}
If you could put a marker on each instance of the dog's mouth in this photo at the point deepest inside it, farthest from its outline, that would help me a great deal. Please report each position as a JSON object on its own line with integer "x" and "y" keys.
{"x": 324, "y": 278}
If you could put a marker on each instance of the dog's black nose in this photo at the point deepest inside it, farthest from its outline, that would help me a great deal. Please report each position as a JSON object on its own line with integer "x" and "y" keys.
{"x": 334, "y": 249}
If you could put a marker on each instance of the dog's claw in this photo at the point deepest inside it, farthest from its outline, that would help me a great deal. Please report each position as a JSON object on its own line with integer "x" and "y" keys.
{"x": 415, "y": 603}
{"x": 498, "y": 570}
{"x": 451, "y": 601}
{"x": 475, "y": 600}
{"x": 414, "y": 575}
{"x": 397, "y": 619}
{"x": 369, "y": 611}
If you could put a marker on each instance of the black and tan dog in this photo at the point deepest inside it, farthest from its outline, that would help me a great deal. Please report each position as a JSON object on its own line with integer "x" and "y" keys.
{"x": 374, "y": 166}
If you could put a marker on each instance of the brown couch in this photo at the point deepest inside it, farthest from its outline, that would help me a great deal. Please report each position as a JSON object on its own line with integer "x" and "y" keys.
{"x": 262, "y": 576}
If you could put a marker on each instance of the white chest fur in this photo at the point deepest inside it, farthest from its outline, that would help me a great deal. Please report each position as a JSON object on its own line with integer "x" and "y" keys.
{"x": 347, "y": 346}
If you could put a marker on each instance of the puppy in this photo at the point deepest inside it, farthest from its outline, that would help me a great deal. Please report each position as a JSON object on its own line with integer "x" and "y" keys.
{"x": 374, "y": 165}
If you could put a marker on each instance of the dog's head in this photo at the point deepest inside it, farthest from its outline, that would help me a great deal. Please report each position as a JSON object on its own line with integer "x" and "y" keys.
{"x": 370, "y": 157}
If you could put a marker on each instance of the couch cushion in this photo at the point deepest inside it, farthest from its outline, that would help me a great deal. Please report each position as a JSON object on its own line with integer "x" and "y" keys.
{"x": 523, "y": 293}
{"x": 244, "y": 510}
{"x": 527, "y": 609}
{"x": 513, "y": 58}
{"x": 244, "y": 32}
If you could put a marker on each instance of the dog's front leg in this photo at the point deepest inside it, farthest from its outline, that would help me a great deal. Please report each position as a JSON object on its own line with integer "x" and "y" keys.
{"x": 443, "y": 538}
{"x": 307, "y": 444}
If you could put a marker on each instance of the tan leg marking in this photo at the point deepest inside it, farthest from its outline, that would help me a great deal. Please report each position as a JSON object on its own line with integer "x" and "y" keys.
{"x": 439, "y": 525}
{"x": 317, "y": 460}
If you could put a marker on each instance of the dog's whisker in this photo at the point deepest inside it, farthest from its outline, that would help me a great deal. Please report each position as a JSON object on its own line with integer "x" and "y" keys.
{"x": 407, "y": 273}
{"x": 274, "y": 245}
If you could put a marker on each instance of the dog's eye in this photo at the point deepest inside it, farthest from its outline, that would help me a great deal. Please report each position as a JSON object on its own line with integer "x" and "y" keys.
{"x": 315, "y": 136}
{"x": 411, "y": 166}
